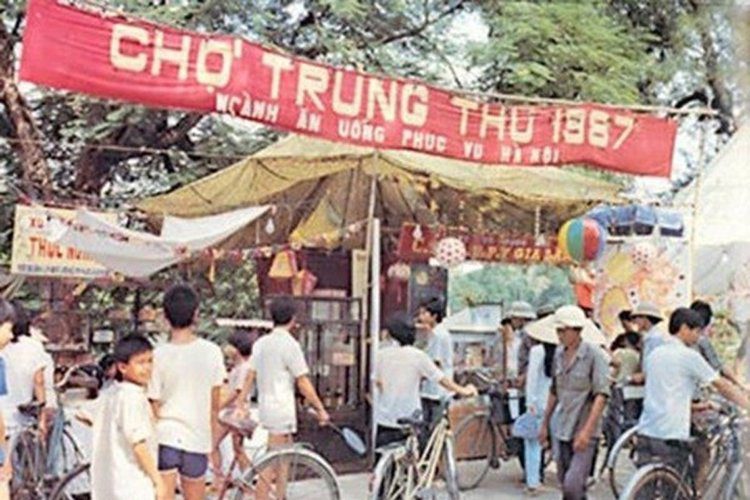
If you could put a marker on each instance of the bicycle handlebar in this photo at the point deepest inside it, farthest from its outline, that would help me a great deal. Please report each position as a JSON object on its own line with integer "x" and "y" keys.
{"x": 68, "y": 374}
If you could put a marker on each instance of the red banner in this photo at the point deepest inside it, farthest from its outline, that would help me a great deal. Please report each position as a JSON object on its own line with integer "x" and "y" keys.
{"x": 113, "y": 56}
{"x": 418, "y": 245}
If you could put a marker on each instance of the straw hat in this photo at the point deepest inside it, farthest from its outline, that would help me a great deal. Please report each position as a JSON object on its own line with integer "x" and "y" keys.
{"x": 545, "y": 330}
{"x": 521, "y": 309}
{"x": 648, "y": 310}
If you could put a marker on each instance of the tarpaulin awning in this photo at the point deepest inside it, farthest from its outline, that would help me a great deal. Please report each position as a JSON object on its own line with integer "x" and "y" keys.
{"x": 300, "y": 174}
{"x": 139, "y": 254}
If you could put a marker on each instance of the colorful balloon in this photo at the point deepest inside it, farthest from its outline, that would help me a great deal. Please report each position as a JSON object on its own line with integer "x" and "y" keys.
{"x": 582, "y": 239}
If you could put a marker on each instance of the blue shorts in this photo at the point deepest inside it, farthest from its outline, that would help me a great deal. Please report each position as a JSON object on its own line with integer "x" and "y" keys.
{"x": 187, "y": 464}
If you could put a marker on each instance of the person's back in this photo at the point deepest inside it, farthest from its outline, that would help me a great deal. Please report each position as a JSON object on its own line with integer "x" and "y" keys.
{"x": 401, "y": 370}
{"x": 185, "y": 390}
{"x": 24, "y": 361}
{"x": 184, "y": 377}
{"x": 278, "y": 361}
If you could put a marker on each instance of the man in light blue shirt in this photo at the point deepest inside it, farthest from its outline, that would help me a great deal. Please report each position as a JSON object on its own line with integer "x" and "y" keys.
{"x": 673, "y": 373}
{"x": 440, "y": 350}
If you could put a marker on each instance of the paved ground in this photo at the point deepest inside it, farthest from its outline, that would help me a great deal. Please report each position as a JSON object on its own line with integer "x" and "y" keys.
{"x": 499, "y": 484}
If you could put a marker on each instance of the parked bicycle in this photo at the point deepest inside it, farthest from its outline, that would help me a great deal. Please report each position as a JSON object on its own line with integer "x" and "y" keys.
{"x": 484, "y": 438}
{"x": 40, "y": 458}
{"x": 403, "y": 472}
{"x": 723, "y": 481}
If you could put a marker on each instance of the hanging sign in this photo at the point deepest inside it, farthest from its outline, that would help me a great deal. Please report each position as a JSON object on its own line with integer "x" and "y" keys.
{"x": 34, "y": 255}
{"x": 418, "y": 243}
{"x": 107, "y": 54}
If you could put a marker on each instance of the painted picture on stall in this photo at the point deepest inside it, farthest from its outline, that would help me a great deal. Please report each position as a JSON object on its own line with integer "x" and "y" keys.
{"x": 651, "y": 270}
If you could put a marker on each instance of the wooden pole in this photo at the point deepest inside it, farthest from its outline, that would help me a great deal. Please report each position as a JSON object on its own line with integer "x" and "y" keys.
{"x": 696, "y": 201}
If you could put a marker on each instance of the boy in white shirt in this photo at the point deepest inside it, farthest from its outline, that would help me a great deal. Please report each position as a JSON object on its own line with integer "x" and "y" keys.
{"x": 279, "y": 365}
{"x": 185, "y": 391}
{"x": 398, "y": 374}
{"x": 440, "y": 350}
{"x": 123, "y": 460}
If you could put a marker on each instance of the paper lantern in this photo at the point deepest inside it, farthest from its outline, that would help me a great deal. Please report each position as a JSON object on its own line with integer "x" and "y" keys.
{"x": 303, "y": 283}
{"x": 582, "y": 239}
{"x": 284, "y": 265}
{"x": 450, "y": 252}
{"x": 643, "y": 254}
{"x": 400, "y": 271}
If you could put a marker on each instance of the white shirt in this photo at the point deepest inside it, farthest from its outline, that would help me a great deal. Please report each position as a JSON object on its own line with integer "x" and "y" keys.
{"x": 278, "y": 360}
{"x": 399, "y": 372}
{"x": 440, "y": 350}
{"x": 653, "y": 339}
{"x": 673, "y": 372}
{"x": 182, "y": 382}
{"x": 238, "y": 375}
{"x": 514, "y": 346}
{"x": 123, "y": 419}
{"x": 23, "y": 359}
{"x": 537, "y": 382}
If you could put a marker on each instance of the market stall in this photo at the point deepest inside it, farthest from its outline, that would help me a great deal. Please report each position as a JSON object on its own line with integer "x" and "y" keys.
{"x": 329, "y": 197}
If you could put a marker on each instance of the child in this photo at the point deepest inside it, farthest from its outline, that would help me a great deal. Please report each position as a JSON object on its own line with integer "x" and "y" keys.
{"x": 185, "y": 391}
{"x": 237, "y": 351}
{"x": 123, "y": 460}
{"x": 279, "y": 365}
{"x": 7, "y": 318}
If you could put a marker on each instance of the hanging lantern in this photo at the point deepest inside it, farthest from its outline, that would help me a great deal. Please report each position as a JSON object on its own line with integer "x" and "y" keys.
{"x": 450, "y": 252}
{"x": 582, "y": 239}
{"x": 284, "y": 265}
{"x": 400, "y": 271}
{"x": 643, "y": 254}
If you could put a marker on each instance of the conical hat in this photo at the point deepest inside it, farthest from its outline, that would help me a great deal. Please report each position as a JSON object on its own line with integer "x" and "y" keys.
{"x": 545, "y": 330}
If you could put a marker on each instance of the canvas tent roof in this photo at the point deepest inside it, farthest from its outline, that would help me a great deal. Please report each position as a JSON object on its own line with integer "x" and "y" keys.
{"x": 722, "y": 207}
{"x": 320, "y": 185}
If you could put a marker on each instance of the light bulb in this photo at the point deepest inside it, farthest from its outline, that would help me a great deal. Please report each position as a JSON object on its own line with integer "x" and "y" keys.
{"x": 270, "y": 226}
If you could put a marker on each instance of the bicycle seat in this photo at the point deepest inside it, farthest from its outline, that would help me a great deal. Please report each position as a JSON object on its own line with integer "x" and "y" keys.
{"x": 415, "y": 423}
{"x": 32, "y": 409}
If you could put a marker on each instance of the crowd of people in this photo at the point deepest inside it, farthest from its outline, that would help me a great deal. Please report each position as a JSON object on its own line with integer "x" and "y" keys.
{"x": 156, "y": 428}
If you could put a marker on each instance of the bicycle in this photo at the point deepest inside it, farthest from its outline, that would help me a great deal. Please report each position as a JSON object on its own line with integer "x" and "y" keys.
{"x": 41, "y": 459}
{"x": 402, "y": 472}
{"x": 723, "y": 480}
{"x": 619, "y": 443}
{"x": 484, "y": 436}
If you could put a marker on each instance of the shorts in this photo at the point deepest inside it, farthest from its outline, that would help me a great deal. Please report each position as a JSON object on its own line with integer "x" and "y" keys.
{"x": 282, "y": 429}
{"x": 187, "y": 464}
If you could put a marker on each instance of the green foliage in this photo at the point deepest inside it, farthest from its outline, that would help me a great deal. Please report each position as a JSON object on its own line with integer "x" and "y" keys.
{"x": 547, "y": 49}
{"x": 539, "y": 285}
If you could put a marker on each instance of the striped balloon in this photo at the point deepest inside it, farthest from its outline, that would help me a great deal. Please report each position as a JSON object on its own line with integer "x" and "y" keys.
{"x": 582, "y": 239}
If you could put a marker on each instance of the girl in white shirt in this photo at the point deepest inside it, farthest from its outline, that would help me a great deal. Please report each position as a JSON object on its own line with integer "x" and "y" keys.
{"x": 538, "y": 382}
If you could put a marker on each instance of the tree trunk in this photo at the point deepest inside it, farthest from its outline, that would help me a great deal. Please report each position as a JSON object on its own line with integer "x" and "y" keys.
{"x": 35, "y": 174}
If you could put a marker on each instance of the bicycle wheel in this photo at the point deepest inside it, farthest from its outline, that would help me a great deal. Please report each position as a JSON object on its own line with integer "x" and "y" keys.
{"x": 75, "y": 485}
{"x": 290, "y": 474}
{"x": 448, "y": 471}
{"x": 28, "y": 470}
{"x": 621, "y": 463}
{"x": 390, "y": 479}
{"x": 656, "y": 482}
{"x": 474, "y": 449}
{"x": 65, "y": 454}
